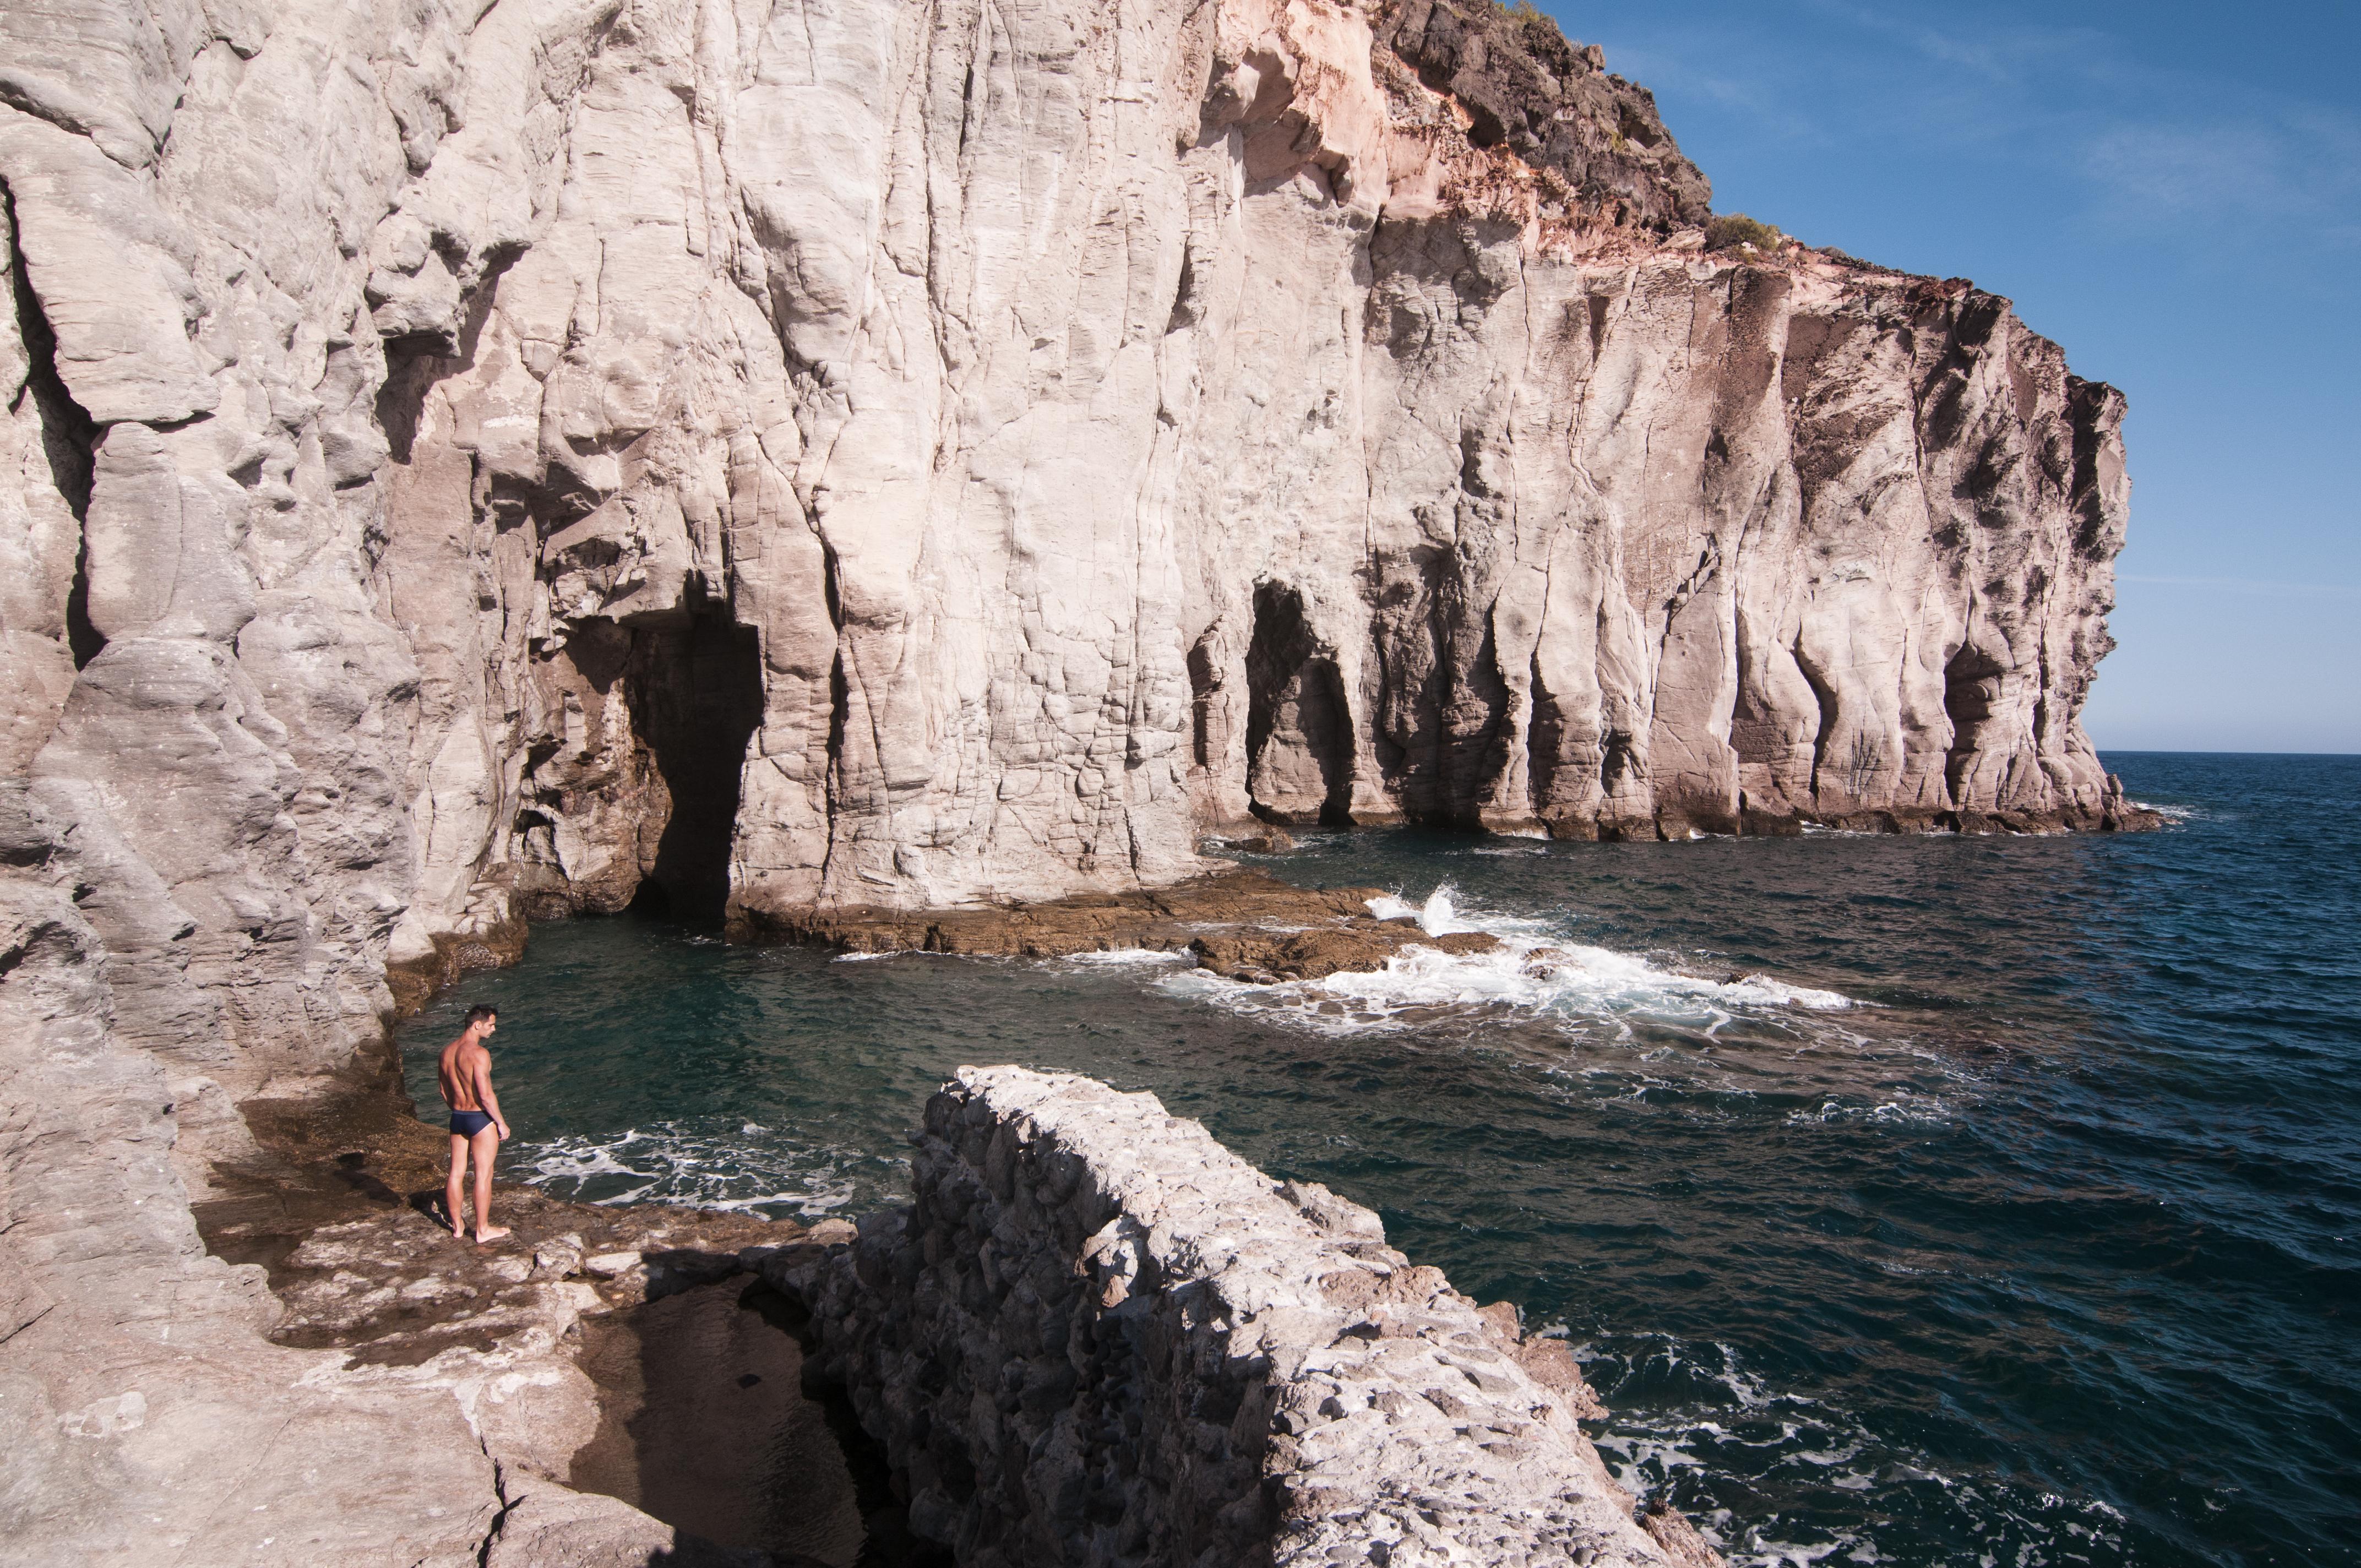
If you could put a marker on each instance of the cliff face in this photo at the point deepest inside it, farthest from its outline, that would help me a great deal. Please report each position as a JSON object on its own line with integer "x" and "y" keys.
{"x": 866, "y": 453}
{"x": 466, "y": 463}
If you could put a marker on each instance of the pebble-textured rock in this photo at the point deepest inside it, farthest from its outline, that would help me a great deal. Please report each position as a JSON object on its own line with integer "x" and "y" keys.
{"x": 1100, "y": 1338}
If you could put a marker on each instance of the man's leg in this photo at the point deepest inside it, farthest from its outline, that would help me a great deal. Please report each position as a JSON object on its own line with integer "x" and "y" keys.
{"x": 485, "y": 1145}
{"x": 452, "y": 1188}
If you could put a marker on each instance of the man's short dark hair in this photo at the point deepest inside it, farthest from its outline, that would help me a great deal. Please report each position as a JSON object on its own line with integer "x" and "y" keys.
{"x": 482, "y": 1011}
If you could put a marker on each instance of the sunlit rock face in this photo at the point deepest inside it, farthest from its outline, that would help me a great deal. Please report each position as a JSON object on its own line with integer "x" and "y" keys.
{"x": 465, "y": 463}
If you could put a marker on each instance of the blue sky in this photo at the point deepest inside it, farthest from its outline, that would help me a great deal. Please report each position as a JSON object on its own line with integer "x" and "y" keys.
{"x": 2171, "y": 192}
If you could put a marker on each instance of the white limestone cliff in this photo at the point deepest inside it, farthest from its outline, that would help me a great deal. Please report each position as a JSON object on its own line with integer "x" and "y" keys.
{"x": 867, "y": 453}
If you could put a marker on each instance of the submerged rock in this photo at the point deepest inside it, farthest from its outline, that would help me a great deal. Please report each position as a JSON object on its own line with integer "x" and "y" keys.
{"x": 1262, "y": 957}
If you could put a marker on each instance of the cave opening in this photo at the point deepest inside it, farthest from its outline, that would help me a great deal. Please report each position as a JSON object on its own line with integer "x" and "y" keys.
{"x": 69, "y": 435}
{"x": 1545, "y": 743}
{"x": 1204, "y": 682}
{"x": 1299, "y": 725}
{"x": 1971, "y": 681}
{"x": 695, "y": 688}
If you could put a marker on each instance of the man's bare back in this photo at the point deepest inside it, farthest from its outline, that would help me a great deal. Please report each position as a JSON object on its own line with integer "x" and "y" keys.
{"x": 464, "y": 1073}
{"x": 462, "y": 1060}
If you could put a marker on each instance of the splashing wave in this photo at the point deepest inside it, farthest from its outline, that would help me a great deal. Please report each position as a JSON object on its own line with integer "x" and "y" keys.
{"x": 1531, "y": 972}
{"x": 708, "y": 1163}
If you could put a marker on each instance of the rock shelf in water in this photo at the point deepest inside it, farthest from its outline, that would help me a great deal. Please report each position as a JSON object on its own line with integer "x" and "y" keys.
{"x": 1242, "y": 924}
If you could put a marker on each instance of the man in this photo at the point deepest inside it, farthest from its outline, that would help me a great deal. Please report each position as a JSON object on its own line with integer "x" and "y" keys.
{"x": 476, "y": 1124}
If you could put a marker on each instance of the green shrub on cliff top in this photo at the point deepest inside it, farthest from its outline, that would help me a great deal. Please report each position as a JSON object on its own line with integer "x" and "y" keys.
{"x": 1730, "y": 230}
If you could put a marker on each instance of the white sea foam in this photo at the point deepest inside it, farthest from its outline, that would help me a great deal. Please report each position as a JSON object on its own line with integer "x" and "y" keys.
{"x": 1118, "y": 958}
{"x": 1910, "y": 1110}
{"x": 908, "y": 953}
{"x": 1531, "y": 972}
{"x": 746, "y": 1167}
{"x": 1705, "y": 1413}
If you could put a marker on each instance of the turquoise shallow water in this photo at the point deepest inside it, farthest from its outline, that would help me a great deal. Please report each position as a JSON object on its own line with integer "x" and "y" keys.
{"x": 1911, "y": 1200}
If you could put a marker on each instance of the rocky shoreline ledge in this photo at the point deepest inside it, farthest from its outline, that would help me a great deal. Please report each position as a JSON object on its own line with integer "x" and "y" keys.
{"x": 1183, "y": 1355}
{"x": 1187, "y": 1361}
{"x": 565, "y": 1347}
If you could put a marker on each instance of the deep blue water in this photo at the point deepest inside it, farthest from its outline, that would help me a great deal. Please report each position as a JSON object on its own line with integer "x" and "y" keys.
{"x": 2044, "y": 1249}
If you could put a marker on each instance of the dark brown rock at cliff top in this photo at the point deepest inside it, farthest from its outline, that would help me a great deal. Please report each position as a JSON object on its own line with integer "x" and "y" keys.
{"x": 1552, "y": 103}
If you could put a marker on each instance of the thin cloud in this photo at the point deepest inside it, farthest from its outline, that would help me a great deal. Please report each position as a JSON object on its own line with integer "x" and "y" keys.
{"x": 2250, "y": 585}
{"x": 1770, "y": 108}
{"x": 2004, "y": 55}
{"x": 2291, "y": 180}
{"x": 2201, "y": 167}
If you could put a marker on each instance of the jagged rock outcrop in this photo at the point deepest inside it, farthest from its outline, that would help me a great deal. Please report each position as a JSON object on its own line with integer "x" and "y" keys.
{"x": 136, "y": 1381}
{"x": 1100, "y": 1337}
{"x": 460, "y": 463}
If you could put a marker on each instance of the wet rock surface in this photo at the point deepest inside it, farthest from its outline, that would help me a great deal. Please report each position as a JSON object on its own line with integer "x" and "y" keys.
{"x": 1158, "y": 919}
{"x": 1244, "y": 925}
{"x": 1099, "y": 1337}
{"x": 1260, "y": 957}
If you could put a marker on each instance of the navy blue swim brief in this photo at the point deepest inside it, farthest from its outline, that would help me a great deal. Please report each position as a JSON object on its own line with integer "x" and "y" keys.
{"x": 467, "y": 1124}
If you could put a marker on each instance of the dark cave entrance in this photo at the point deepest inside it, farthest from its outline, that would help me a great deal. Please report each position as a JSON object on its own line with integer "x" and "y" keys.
{"x": 1299, "y": 725}
{"x": 1971, "y": 682}
{"x": 694, "y": 687}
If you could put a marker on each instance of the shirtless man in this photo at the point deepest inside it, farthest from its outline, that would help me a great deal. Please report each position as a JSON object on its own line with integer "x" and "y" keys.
{"x": 476, "y": 1124}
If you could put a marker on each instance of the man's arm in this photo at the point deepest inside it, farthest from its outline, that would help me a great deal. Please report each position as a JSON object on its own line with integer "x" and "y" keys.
{"x": 485, "y": 1098}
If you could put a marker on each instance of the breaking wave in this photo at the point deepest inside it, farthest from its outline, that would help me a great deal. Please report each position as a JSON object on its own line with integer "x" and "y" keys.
{"x": 1118, "y": 958}
{"x": 1533, "y": 973}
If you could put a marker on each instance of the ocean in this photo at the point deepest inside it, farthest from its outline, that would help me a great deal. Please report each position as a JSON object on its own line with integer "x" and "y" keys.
{"x": 1917, "y": 1200}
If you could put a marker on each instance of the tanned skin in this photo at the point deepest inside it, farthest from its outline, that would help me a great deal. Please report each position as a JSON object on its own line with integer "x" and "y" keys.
{"x": 465, "y": 1072}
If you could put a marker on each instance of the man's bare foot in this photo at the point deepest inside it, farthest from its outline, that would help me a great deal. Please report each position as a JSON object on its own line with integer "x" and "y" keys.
{"x": 491, "y": 1234}
{"x": 458, "y": 1230}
